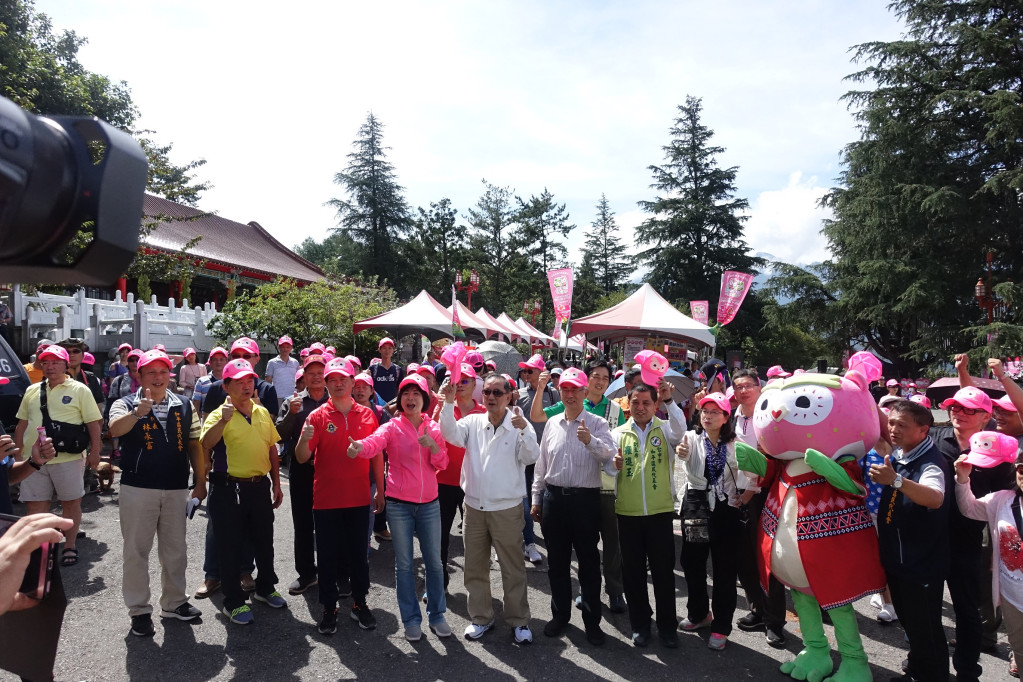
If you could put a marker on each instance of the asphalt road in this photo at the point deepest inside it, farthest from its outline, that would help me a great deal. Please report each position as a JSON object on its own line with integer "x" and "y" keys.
{"x": 281, "y": 645}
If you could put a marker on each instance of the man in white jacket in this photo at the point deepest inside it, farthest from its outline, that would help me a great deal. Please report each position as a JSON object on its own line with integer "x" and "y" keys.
{"x": 499, "y": 445}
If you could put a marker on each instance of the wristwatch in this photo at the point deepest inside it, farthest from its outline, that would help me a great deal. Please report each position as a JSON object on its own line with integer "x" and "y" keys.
{"x": 897, "y": 483}
{"x": 32, "y": 463}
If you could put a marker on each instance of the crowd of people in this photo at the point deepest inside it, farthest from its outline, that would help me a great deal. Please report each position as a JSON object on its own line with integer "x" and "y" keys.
{"x": 399, "y": 452}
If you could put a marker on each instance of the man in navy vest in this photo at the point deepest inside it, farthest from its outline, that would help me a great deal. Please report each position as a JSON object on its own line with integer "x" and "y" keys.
{"x": 159, "y": 435}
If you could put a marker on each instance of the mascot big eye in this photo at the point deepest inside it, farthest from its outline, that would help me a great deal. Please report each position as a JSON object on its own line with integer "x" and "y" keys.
{"x": 816, "y": 534}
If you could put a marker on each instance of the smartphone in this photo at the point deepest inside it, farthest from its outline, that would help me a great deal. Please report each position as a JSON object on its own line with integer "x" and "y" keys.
{"x": 39, "y": 574}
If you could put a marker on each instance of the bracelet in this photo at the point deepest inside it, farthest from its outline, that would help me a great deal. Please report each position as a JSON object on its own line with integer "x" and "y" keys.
{"x": 32, "y": 463}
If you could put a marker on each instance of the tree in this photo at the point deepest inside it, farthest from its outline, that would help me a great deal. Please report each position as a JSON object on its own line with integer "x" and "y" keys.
{"x": 336, "y": 255}
{"x": 538, "y": 240}
{"x": 375, "y": 214}
{"x": 433, "y": 251}
{"x": 696, "y": 228}
{"x": 604, "y": 252}
{"x": 933, "y": 184}
{"x": 490, "y": 222}
{"x": 321, "y": 311}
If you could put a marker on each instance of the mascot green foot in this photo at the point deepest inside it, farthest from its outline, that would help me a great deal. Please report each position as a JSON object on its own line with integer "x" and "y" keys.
{"x": 854, "y": 666}
{"x": 813, "y": 663}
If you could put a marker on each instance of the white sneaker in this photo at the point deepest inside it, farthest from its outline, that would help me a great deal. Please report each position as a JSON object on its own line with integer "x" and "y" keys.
{"x": 523, "y": 635}
{"x": 474, "y": 631}
{"x": 532, "y": 555}
{"x": 887, "y": 614}
{"x": 876, "y": 602}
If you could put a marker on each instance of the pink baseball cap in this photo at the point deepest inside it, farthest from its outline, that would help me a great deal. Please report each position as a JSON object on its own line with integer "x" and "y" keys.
{"x": 151, "y": 356}
{"x": 491, "y": 365}
{"x": 160, "y": 347}
{"x": 299, "y": 374}
{"x": 304, "y": 353}
{"x": 339, "y": 366}
{"x": 316, "y": 348}
{"x": 416, "y": 379}
{"x": 219, "y": 350}
{"x": 509, "y": 378}
{"x": 888, "y": 399}
{"x": 364, "y": 378}
{"x": 892, "y": 382}
{"x": 384, "y": 341}
{"x": 245, "y": 344}
{"x": 88, "y": 359}
{"x": 718, "y": 399}
{"x": 777, "y": 371}
{"x": 354, "y": 359}
{"x": 467, "y": 370}
{"x": 412, "y": 367}
{"x": 426, "y": 369}
{"x": 124, "y": 346}
{"x": 314, "y": 358}
{"x": 730, "y": 393}
{"x": 238, "y": 369}
{"x": 619, "y": 373}
{"x": 920, "y": 398}
{"x": 331, "y": 350}
{"x": 475, "y": 358}
{"x": 136, "y": 353}
{"x": 990, "y": 448}
{"x": 56, "y": 352}
{"x": 971, "y": 398}
{"x": 534, "y": 362}
{"x": 188, "y": 351}
{"x": 286, "y": 339}
{"x": 1006, "y": 404}
{"x": 573, "y": 376}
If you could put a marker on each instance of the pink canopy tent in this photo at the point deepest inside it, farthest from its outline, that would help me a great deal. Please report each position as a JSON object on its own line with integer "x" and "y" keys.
{"x": 422, "y": 315}
{"x": 495, "y": 324}
{"x": 470, "y": 320}
{"x": 517, "y": 331}
{"x": 645, "y": 313}
{"x": 544, "y": 339}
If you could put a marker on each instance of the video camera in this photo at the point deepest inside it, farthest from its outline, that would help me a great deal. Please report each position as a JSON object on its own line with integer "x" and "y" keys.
{"x": 60, "y": 175}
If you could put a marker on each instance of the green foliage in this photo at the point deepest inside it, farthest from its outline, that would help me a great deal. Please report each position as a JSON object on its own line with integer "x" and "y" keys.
{"x": 170, "y": 181}
{"x": 375, "y": 214}
{"x": 337, "y": 255}
{"x": 537, "y": 239}
{"x": 490, "y": 222}
{"x": 603, "y": 252}
{"x": 433, "y": 251}
{"x": 321, "y": 311}
{"x": 696, "y": 228}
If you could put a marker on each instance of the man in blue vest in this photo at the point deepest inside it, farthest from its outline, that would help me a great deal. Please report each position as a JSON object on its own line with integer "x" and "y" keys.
{"x": 159, "y": 435}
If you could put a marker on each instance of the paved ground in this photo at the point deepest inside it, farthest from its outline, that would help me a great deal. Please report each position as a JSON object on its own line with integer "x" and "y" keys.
{"x": 96, "y": 644}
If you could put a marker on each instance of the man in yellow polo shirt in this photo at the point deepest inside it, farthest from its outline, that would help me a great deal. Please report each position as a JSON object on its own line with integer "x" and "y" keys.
{"x": 69, "y": 402}
{"x": 242, "y": 500}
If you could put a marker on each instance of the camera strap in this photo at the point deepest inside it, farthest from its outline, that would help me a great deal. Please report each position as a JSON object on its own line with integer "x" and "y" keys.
{"x": 47, "y": 422}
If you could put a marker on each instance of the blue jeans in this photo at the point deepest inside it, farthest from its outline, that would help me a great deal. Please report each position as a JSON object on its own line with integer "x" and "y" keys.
{"x": 407, "y": 520}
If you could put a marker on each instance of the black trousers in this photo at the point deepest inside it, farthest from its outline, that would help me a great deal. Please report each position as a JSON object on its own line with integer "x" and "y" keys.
{"x": 919, "y": 609}
{"x": 725, "y": 531}
{"x": 450, "y": 498}
{"x": 571, "y": 520}
{"x": 341, "y": 550}
{"x": 643, "y": 539}
{"x": 243, "y": 512}
{"x": 769, "y": 606}
{"x": 964, "y": 578}
{"x": 300, "y": 485}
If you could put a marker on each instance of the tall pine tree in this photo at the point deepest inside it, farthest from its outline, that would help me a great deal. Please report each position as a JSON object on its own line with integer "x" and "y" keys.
{"x": 696, "y": 226}
{"x": 374, "y": 214}
{"x": 542, "y": 225}
{"x": 604, "y": 255}
{"x": 490, "y": 223}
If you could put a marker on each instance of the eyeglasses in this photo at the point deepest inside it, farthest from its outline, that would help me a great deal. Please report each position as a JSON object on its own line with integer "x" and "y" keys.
{"x": 244, "y": 356}
{"x": 713, "y": 413}
{"x": 959, "y": 409}
{"x": 494, "y": 392}
{"x": 739, "y": 389}
{"x": 526, "y": 371}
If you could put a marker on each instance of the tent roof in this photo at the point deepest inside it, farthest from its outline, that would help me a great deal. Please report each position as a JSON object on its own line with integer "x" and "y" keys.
{"x": 515, "y": 328}
{"x": 497, "y": 326}
{"x": 422, "y": 315}
{"x": 547, "y": 340}
{"x": 470, "y": 320}
{"x": 645, "y": 312}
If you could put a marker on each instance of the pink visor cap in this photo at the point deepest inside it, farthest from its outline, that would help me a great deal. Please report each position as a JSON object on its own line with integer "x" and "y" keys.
{"x": 238, "y": 369}
{"x": 54, "y": 353}
{"x": 416, "y": 380}
{"x": 535, "y": 362}
{"x": 88, "y": 359}
{"x": 354, "y": 360}
{"x": 188, "y": 351}
{"x": 573, "y": 376}
{"x": 920, "y": 398}
{"x": 340, "y": 367}
{"x": 304, "y": 353}
{"x": 777, "y": 371}
{"x": 718, "y": 399}
{"x": 153, "y": 356}
{"x": 971, "y": 398}
{"x": 364, "y": 378}
{"x": 285, "y": 340}
{"x": 219, "y": 350}
{"x": 316, "y": 348}
{"x": 314, "y": 359}
{"x": 892, "y": 382}
{"x": 423, "y": 370}
{"x": 412, "y": 368}
{"x": 124, "y": 346}
{"x": 384, "y": 341}
{"x": 990, "y": 448}
{"x": 1005, "y": 403}
{"x": 137, "y": 353}
{"x": 246, "y": 344}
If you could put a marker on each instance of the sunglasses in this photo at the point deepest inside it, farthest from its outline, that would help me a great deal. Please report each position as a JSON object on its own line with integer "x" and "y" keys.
{"x": 526, "y": 371}
{"x": 959, "y": 409}
{"x": 464, "y": 382}
{"x": 493, "y": 392}
{"x": 246, "y": 356}
{"x": 133, "y": 359}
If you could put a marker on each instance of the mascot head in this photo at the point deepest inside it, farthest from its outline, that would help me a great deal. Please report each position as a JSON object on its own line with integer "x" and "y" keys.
{"x": 834, "y": 415}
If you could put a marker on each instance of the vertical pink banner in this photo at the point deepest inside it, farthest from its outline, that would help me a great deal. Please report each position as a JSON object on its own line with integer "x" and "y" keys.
{"x": 700, "y": 311}
{"x": 561, "y": 291}
{"x": 734, "y": 287}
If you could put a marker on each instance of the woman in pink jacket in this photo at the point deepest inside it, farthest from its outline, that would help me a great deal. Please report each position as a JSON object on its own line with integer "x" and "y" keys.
{"x": 416, "y": 451}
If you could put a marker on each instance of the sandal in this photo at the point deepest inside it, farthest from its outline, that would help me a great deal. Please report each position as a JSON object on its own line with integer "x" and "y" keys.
{"x": 1013, "y": 670}
{"x": 69, "y": 557}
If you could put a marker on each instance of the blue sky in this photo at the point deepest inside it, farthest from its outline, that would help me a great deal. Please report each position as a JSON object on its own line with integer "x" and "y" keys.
{"x": 575, "y": 97}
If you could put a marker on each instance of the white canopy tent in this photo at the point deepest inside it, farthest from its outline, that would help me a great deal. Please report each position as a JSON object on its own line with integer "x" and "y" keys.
{"x": 645, "y": 313}
{"x": 422, "y": 315}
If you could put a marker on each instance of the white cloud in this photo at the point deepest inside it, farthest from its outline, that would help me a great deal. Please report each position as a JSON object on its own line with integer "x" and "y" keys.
{"x": 787, "y": 222}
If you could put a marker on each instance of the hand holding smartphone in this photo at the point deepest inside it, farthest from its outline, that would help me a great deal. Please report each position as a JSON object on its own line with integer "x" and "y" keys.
{"x": 28, "y": 548}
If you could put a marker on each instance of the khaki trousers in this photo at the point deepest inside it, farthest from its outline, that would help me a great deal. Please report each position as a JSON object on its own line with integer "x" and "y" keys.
{"x": 1012, "y": 619}
{"x": 503, "y": 530}
{"x": 147, "y": 513}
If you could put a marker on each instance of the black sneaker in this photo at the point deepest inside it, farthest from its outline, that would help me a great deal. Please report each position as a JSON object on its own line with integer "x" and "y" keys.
{"x": 555, "y": 628}
{"x": 344, "y": 587}
{"x": 365, "y": 618}
{"x": 595, "y": 636}
{"x": 750, "y": 622}
{"x": 184, "y": 612}
{"x": 142, "y": 626}
{"x": 328, "y": 623}
{"x": 775, "y": 635}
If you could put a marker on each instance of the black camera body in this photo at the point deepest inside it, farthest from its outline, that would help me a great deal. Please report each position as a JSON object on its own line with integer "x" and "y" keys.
{"x": 60, "y": 175}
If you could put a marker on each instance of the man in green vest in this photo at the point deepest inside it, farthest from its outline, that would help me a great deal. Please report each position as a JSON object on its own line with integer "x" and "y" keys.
{"x": 646, "y": 509}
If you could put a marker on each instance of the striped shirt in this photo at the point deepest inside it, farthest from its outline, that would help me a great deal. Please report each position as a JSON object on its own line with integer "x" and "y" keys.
{"x": 565, "y": 461}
